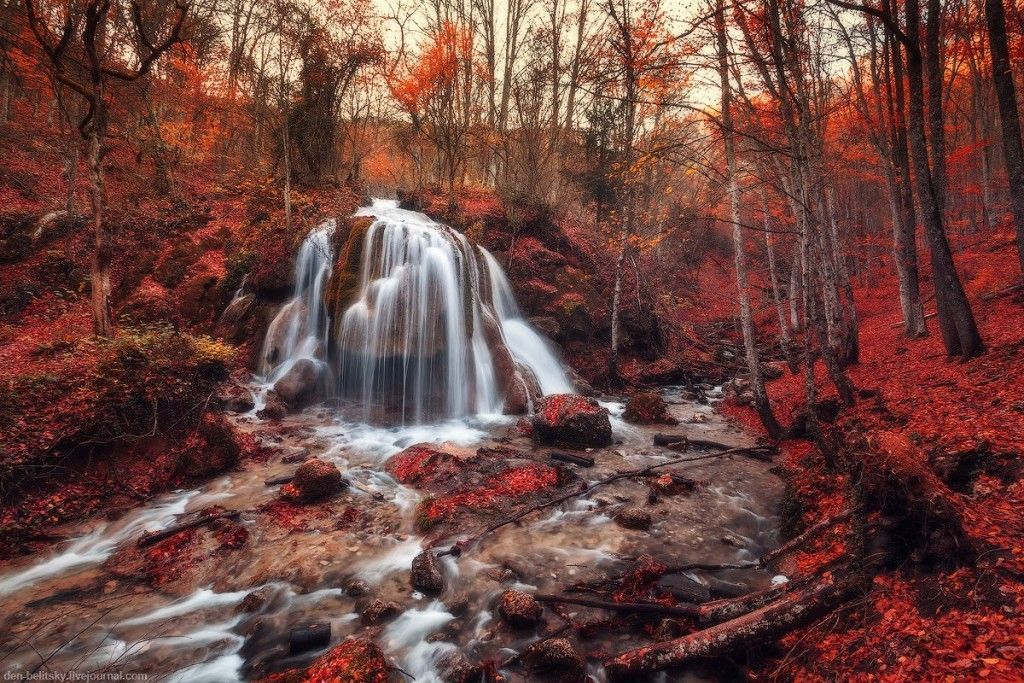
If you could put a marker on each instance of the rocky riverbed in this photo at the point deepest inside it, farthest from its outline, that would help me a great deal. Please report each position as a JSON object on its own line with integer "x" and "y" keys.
{"x": 311, "y": 561}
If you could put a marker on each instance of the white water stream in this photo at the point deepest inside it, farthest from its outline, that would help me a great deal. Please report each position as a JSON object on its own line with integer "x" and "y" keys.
{"x": 199, "y": 635}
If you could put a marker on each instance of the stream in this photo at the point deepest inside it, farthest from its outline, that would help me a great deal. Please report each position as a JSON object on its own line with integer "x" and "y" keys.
{"x": 80, "y": 609}
{"x": 432, "y": 339}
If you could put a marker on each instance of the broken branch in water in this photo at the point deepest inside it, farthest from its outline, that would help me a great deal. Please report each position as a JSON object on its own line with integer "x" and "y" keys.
{"x": 690, "y": 611}
{"x": 681, "y": 442}
{"x": 803, "y": 538}
{"x": 157, "y": 536}
{"x": 572, "y": 458}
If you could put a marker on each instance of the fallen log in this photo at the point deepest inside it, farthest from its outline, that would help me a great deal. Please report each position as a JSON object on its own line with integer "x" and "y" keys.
{"x": 989, "y": 296}
{"x": 792, "y": 610}
{"x": 689, "y": 611}
{"x": 280, "y": 481}
{"x": 149, "y": 539}
{"x": 572, "y": 458}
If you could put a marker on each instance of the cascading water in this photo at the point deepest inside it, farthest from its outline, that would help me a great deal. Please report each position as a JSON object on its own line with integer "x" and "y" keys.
{"x": 433, "y": 331}
{"x": 300, "y": 329}
{"x": 526, "y": 344}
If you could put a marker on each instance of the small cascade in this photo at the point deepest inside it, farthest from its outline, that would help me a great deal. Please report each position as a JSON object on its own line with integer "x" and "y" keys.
{"x": 526, "y": 344}
{"x": 433, "y": 330}
{"x": 301, "y": 327}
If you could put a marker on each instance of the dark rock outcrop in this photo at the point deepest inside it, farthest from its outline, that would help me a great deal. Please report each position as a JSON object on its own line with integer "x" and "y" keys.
{"x": 556, "y": 660}
{"x": 298, "y": 387}
{"x": 427, "y": 576}
{"x": 571, "y": 421}
{"x": 314, "y": 480}
{"x": 519, "y": 609}
{"x": 647, "y": 408}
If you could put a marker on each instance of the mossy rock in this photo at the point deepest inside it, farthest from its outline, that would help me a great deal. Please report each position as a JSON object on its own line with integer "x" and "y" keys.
{"x": 344, "y": 283}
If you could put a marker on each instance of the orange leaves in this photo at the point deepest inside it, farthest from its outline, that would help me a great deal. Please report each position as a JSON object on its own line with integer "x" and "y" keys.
{"x": 437, "y": 69}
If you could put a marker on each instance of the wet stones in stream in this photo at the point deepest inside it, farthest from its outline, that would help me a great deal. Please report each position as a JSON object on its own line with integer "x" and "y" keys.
{"x": 314, "y": 480}
{"x": 469, "y": 488}
{"x": 519, "y": 609}
{"x": 555, "y": 660}
{"x": 571, "y": 421}
{"x": 633, "y": 518}
{"x": 427, "y": 576}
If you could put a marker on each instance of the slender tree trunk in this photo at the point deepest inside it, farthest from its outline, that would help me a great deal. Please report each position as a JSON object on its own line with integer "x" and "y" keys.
{"x": 956, "y": 320}
{"x": 761, "y": 403}
{"x": 785, "y": 337}
{"x": 1013, "y": 147}
{"x": 103, "y": 324}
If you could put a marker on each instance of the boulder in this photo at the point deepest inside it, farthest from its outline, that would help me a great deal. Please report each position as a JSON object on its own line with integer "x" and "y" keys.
{"x": 647, "y": 408}
{"x": 235, "y": 398}
{"x": 571, "y": 421}
{"x": 214, "y": 450}
{"x": 427, "y": 576}
{"x": 555, "y": 660}
{"x": 355, "y": 660}
{"x": 298, "y": 387}
{"x": 519, "y": 609}
{"x": 293, "y": 314}
{"x": 314, "y": 480}
{"x": 380, "y": 611}
{"x": 633, "y": 518}
{"x": 273, "y": 409}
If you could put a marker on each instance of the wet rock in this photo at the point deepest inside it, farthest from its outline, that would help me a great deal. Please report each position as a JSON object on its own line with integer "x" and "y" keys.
{"x": 555, "y": 660}
{"x": 427, "y": 576}
{"x": 356, "y": 588}
{"x": 633, "y": 518}
{"x": 355, "y": 660}
{"x": 309, "y": 637}
{"x": 298, "y": 387}
{"x": 314, "y": 480}
{"x": 519, "y": 609}
{"x": 571, "y": 421}
{"x": 233, "y": 321}
{"x": 217, "y": 449}
{"x": 647, "y": 408}
{"x": 254, "y": 601}
{"x": 274, "y": 409}
{"x": 455, "y": 668}
{"x": 235, "y": 398}
{"x": 380, "y": 611}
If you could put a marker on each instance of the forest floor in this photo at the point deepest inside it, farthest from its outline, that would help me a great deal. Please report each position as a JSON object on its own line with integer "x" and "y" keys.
{"x": 940, "y": 622}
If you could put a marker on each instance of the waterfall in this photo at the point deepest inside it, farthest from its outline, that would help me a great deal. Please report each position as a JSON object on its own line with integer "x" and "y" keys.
{"x": 300, "y": 330}
{"x": 526, "y": 344}
{"x": 433, "y": 330}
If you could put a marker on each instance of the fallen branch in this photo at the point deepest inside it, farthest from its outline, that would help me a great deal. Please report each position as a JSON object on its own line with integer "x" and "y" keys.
{"x": 902, "y": 323}
{"x": 792, "y": 610}
{"x": 682, "y": 443}
{"x": 1002, "y": 292}
{"x": 587, "y": 488}
{"x": 279, "y": 481}
{"x": 572, "y": 458}
{"x": 806, "y": 536}
{"x": 157, "y": 536}
{"x": 690, "y": 611}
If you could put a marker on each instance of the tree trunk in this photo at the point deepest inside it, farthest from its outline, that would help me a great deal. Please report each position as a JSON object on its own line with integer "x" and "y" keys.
{"x": 761, "y": 403}
{"x": 785, "y": 337}
{"x": 956, "y": 320}
{"x": 1013, "y": 148}
{"x": 103, "y": 324}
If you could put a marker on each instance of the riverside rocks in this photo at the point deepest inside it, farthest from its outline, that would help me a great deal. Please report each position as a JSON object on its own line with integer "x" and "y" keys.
{"x": 647, "y": 408}
{"x": 519, "y": 609}
{"x": 555, "y": 660}
{"x": 571, "y": 421}
{"x": 633, "y": 518}
{"x": 314, "y": 480}
{"x": 298, "y": 387}
{"x": 427, "y": 576}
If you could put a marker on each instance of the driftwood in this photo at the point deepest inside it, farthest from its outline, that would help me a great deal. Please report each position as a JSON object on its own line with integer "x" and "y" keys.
{"x": 157, "y": 536}
{"x": 792, "y": 610}
{"x": 682, "y": 443}
{"x": 690, "y": 611}
{"x": 279, "y": 481}
{"x": 572, "y": 458}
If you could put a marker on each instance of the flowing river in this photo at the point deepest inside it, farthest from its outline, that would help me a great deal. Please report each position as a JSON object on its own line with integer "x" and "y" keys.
{"x": 224, "y": 611}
